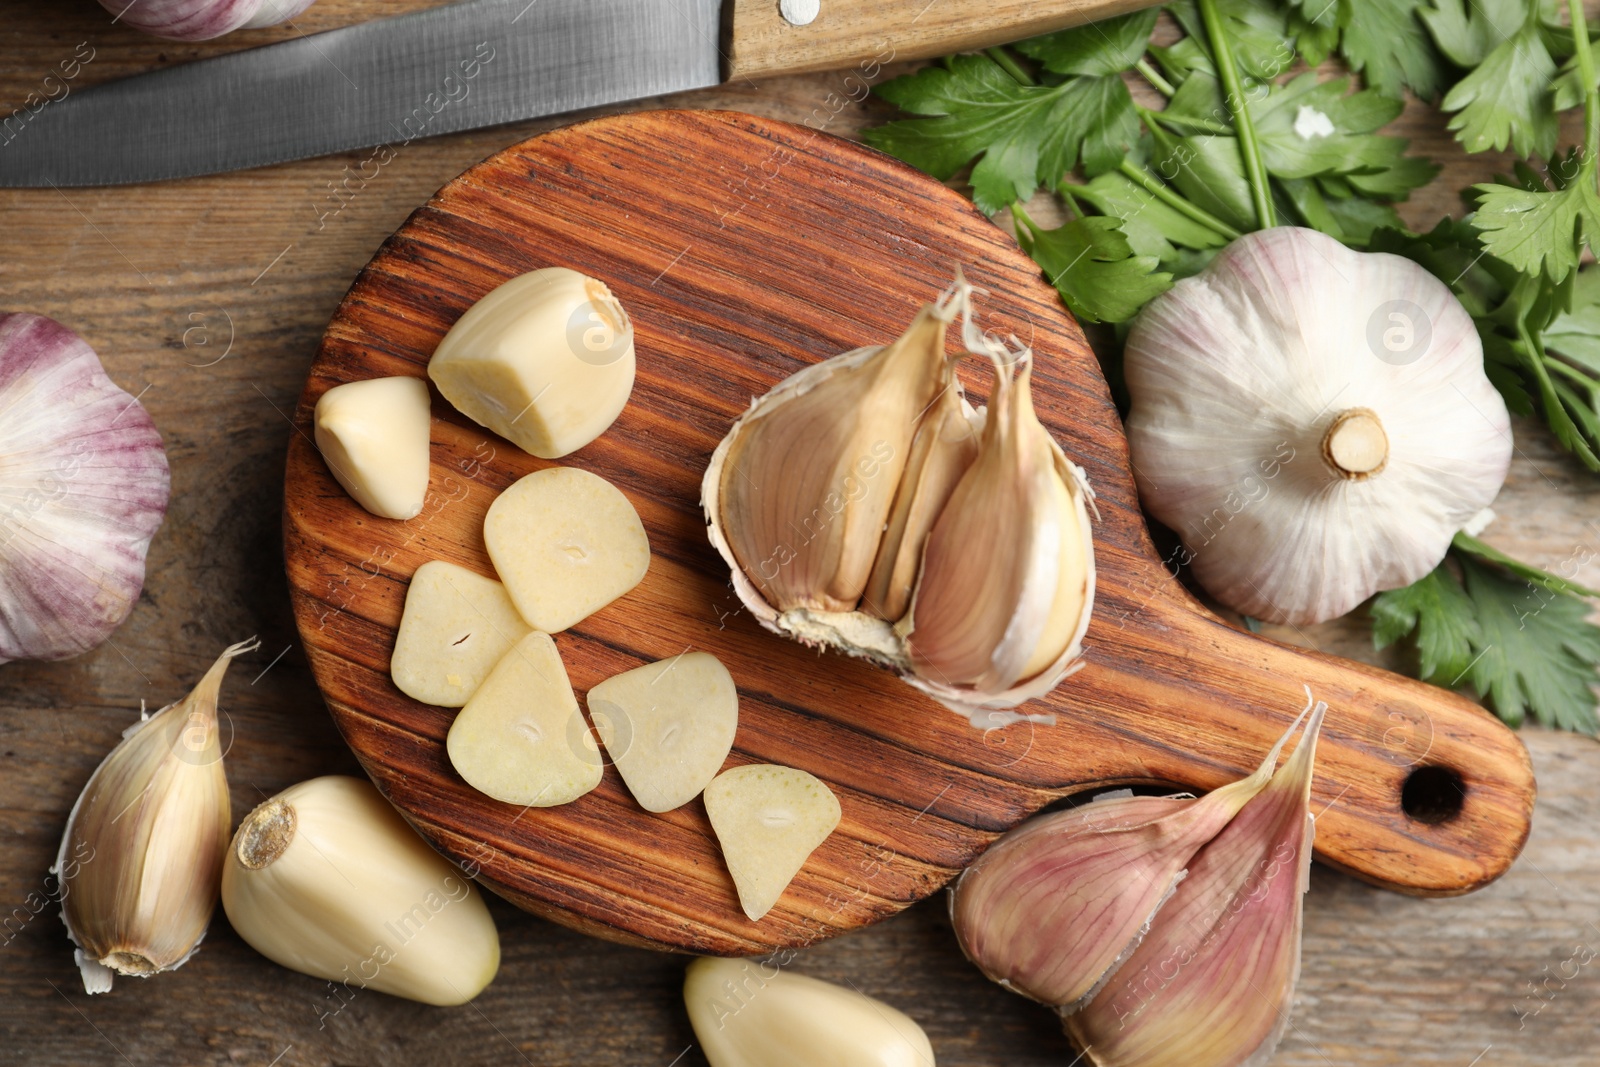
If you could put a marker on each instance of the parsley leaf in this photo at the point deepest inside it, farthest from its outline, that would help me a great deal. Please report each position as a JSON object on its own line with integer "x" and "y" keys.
{"x": 1389, "y": 47}
{"x": 1257, "y": 29}
{"x": 1540, "y": 231}
{"x": 1507, "y": 98}
{"x": 1109, "y": 46}
{"x": 1466, "y": 30}
{"x": 1092, "y": 265}
{"x": 1575, "y": 333}
{"x": 1151, "y": 227}
{"x": 1440, "y": 614}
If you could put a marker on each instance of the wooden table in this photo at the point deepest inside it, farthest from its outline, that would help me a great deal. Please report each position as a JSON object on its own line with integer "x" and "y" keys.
{"x": 207, "y": 297}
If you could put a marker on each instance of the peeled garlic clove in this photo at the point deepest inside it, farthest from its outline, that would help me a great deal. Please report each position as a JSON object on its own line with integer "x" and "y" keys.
{"x": 201, "y": 20}
{"x": 1212, "y": 983}
{"x": 374, "y": 436}
{"x": 943, "y": 450}
{"x": 456, "y": 626}
{"x": 146, "y": 839}
{"x": 753, "y": 1014}
{"x": 521, "y": 738}
{"x": 1056, "y": 905}
{"x": 566, "y": 543}
{"x": 668, "y": 726}
{"x": 768, "y": 820}
{"x": 1007, "y": 573}
{"x": 546, "y": 361}
{"x": 1314, "y": 422}
{"x": 802, "y": 485}
{"x": 83, "y": 488}
{"x": 328, "y": 880}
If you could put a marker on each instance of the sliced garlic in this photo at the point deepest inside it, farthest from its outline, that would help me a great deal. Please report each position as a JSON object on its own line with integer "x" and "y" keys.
{"x": 667, "y": 726}
{"x": 546, "y": 361}
{"x": 374, "y": 436}
{"x": 456, "y": 626}
{"x": 83, "y": 488}
{"x": 146, "y": 839}
{"x": 1314, "y": 422}
{"x": 748, "y": 1013}
{"x": 768, "y": 820}
{"x": 521, "y": 738}
{"x": 566, "y": 543}
{"x": 327, "y": 879}
{"x": 1056, "y": 905}
{"x": 1212, "y": 983}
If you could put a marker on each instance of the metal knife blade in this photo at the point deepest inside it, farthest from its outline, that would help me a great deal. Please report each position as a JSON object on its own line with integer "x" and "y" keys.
{"x": 389, "y": 81}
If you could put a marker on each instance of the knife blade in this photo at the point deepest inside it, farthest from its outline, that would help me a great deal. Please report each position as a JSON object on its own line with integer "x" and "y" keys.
{"x": 385, "y": 82}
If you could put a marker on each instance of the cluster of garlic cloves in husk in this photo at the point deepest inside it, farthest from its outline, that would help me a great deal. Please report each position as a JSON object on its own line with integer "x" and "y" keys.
{"x": 1165, "y": 930}
{"x": 864, "y": 505}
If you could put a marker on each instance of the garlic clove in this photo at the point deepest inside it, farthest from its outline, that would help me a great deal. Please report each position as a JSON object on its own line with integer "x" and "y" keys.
{"x": 566, "y": 543}
{"x": 1056, "y": 905}
{"x": 456, "y": 626}
{"x": 546, "y": 361}
{"x": 802, "y": 485}
{"x": 1314, "y": 422}
{"x": 668, "y": 726}
{"x": 374, "y": 436}
{"x": 753, "y": 1014}
{"x": 146, "y": 839}
{"x": 1212, "y": 984}
{"x": 944, "y": 448}
{"x": 327, "y": 879}
{"x": 83, "y": 488}
{"x": 768, "y": 820}
{"x": 521, "y": 738}
{"x": 1003, "y": 598}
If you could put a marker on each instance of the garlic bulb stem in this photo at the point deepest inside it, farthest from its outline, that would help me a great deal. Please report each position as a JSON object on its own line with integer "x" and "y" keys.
{"x": 1355, "y": 445}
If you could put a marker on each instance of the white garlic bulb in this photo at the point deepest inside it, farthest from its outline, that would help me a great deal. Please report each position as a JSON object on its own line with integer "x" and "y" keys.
{"x": 1314, "y": 422}
{"x": 201, "y": 20}
{"x": 83, "y": 488}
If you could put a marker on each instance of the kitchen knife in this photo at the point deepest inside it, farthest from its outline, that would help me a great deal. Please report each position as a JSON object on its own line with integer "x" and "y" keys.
{"x": 479, "y": 63}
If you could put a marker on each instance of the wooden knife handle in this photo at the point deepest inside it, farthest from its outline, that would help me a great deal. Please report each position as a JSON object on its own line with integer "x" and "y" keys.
{"x": 855, "y": 33}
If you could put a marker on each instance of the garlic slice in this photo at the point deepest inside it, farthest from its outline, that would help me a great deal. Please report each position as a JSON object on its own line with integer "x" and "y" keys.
{"x": 748, "y": 1013}
{"x": 146, "y": 839}
{"x": 327, "y": 879}
{"x": 768, "y": 819}
{"x": 455, "y": 627}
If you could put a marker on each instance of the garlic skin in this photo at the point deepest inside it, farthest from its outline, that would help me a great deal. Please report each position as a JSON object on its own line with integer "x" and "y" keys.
{"x": 1314, "y": 422}
{"x": 147, "y": 836}
{"x": 750, "y": 1013}
{"x": 201, "y": 20}
{"x": 327, "y": 879}
{"x": 83, "y": 488}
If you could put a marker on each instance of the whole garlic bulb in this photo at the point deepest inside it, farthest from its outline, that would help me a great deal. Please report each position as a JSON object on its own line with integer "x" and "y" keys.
{"x": 83, "y": 488}
{"x": 201, "y": 20}
{"x": 1314, "y": 423}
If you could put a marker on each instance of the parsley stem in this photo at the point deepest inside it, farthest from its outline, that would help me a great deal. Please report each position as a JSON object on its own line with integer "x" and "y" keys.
{"x": 1465, "y": 542}
{"x": 1574, "y": 373}
{"x": 1591, "y": 95}
{"x": 1158, "y": 189}
{"x": 1183, "y": 122}
{"x": 1153, "y": 76}
{"x": 1238, "y": 105}
{"x": 1010, "y": 65}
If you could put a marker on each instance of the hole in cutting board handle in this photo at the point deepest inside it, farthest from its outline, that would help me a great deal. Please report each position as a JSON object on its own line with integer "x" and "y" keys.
{"x": 1433, "y": 794}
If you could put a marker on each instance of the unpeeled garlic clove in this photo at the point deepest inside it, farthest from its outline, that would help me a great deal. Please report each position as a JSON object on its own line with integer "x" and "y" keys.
{"x": 748, "y": 1013}
{"x": 1056, "y": 905}
{"x": 201, "y": 20}
{"x": 146, "y": 839}
{"x": 1211, "y": 985}
{"x": 327, "y": 879}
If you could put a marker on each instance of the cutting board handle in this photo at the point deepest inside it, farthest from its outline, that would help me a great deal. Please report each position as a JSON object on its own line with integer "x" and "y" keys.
{"x": 867, "y": 35}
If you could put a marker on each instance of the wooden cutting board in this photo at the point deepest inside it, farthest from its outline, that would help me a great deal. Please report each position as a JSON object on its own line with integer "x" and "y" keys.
{"x": 744, "y": 249}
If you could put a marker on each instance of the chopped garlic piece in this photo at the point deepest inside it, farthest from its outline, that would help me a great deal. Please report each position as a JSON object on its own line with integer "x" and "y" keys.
{"x": 768, "y": 819}
{"x": 668, "y": 726}
{"x": 566, "y": 543}
{"x": 455, "y": 628}
{"x": 1309, "y": 123}
{"x": 374, "y": 435}
{"x": 521, "y": 738}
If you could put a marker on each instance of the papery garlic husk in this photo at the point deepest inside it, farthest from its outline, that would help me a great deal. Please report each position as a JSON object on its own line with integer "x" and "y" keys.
{"x": 1212, "y": 983}
{"x": 827, "y": 497}
{"x": 1056, "y": 905}
{"x": 1314, "y": 422}
{"x": 83, "y": 489}
{"x": 201, "y": 20}
{"x": 327, "y": 879}
{"x": 1007, "y": 579}
{"x": 140, "y": 861}
{"x": 752, "y": 1013}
